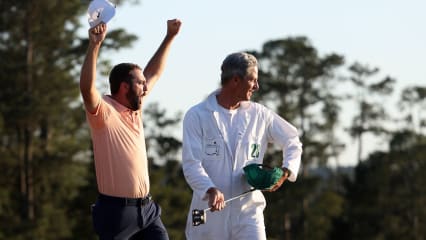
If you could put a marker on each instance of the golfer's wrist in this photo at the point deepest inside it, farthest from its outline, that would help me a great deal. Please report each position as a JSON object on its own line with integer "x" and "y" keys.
{"x": 93, "y": 46}
{"x": 211, "y": 190}
{"x": 286, "y": 172}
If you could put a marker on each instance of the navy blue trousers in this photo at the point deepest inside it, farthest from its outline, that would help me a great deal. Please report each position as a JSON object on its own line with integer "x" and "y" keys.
{"x": 114, "y": 220}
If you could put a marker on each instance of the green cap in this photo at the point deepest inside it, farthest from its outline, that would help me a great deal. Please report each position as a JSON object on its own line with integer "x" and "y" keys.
{"x": 261, "y": 176}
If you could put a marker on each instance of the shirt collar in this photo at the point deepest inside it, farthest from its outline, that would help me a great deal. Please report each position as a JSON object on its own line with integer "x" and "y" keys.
{"x": 117, "y": 106}
{"x": 212, "y": 102}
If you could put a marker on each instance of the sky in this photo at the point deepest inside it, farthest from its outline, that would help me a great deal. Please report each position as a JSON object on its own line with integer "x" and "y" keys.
{"x": 388, "y": 34}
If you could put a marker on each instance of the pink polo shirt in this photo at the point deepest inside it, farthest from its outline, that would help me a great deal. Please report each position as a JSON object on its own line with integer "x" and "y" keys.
{"x": 119, "y": 150}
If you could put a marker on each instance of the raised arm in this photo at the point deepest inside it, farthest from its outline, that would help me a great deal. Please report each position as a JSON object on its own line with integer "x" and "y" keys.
{"x": 88, "y": 71}
{"x": 156, "y": 65}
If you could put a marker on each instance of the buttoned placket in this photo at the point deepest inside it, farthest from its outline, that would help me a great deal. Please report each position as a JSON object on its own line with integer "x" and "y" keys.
{"x": 132, "y": 119}
{"x": 135, "y": 120}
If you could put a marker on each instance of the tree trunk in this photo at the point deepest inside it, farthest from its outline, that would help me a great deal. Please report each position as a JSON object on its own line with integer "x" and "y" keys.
{"x": 28, "y": 153}
{"x": 29, "y": 180}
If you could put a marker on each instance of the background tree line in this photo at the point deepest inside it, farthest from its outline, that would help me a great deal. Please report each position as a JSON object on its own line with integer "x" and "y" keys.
{"x": 47, "y": 182}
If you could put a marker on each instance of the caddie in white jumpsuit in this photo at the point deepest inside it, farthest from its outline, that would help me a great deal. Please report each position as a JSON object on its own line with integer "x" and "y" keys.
{"x": 223, "y": 134}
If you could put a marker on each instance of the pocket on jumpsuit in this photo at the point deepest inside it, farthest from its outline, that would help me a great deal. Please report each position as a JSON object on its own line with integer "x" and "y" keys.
{"x": 213, "y": 158}
{"x": 213, "y": 148}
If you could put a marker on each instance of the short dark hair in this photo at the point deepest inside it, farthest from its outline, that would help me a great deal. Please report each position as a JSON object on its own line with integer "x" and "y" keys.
{"x": 121, "y": 73}
{"x": 236, "y": 64}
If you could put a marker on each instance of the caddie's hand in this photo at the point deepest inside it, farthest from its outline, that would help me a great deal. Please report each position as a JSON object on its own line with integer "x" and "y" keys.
{"x": 216, "y": 199}
{"x": 173, "y": 27}
{"x": 286, "y": 174}
{"x": 97, "y": 33}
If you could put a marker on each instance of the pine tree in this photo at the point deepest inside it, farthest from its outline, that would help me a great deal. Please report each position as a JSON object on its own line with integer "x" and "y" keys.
{"x": 370, "y": 114}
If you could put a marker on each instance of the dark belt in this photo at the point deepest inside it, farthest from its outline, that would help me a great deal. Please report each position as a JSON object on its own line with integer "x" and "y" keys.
{"x": 125, "y": 201}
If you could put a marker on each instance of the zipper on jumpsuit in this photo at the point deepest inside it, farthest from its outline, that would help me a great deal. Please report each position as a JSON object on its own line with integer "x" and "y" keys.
{"x": 215, "y": 116}
{"x": 232, "y": 154}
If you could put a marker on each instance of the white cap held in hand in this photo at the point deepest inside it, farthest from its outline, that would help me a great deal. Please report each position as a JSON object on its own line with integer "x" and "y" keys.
{"x": 100, "y": 11}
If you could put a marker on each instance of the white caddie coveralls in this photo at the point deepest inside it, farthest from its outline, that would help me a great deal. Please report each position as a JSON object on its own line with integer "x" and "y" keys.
{"x": 209, "y": 162}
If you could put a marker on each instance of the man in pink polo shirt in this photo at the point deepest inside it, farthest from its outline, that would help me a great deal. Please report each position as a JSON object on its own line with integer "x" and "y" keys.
{"x": 124, "y": 208}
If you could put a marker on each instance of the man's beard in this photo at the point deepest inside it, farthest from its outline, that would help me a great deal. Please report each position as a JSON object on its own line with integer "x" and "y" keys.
{"x": 134, "y": 99}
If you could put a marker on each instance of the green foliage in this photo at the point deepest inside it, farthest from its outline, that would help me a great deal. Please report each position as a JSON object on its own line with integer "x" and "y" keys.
{"x": 161, "y": 141}
{"x": 387, "y": 198}
{"x": 370, "y": 114}
{"x": 412, "y": 102}
{"x": 40, "y": 134}
{"x": 327, "y": 207}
